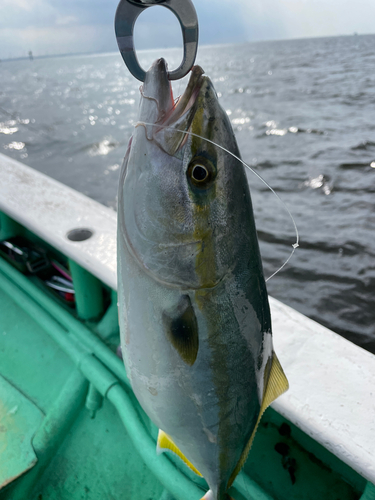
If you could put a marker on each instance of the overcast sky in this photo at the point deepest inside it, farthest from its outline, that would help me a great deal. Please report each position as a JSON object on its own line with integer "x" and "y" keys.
{"x": 70, "y": 26}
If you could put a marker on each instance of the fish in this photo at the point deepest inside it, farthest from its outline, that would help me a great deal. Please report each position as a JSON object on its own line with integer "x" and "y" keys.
{"x": 194, "y": 315}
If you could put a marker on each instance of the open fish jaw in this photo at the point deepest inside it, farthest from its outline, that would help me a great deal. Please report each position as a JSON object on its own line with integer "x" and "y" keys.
{"x": 157, "y": 88}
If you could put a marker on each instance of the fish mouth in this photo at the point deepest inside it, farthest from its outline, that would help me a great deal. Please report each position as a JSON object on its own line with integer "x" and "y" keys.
{"x": 169, "y": 115}
{"x": 186, "y": 102}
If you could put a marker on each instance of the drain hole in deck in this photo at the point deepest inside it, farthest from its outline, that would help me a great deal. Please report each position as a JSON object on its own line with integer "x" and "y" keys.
{"x": 79, "y": 234}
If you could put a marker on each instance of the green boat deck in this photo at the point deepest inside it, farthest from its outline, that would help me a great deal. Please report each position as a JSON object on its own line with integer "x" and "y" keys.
{"x": 70, "y": 427}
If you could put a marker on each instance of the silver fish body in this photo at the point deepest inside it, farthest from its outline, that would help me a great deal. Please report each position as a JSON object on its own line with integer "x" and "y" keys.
{"x": 194, "y": 314}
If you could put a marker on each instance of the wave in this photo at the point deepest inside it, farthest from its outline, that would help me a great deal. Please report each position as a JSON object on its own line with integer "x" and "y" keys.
{"x": 349, "y": 248}
{"x": 365, "y": 145}
{"x": 274, "y": 130}
{"x": 357, "y": 165}
{"x": 102, "y": 148}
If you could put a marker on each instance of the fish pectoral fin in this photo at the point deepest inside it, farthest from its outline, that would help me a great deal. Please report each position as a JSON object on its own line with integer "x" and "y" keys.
{"x": 277, "y": 384}
{"x": 165, "y": 443}
{"x": 181, "y": 328}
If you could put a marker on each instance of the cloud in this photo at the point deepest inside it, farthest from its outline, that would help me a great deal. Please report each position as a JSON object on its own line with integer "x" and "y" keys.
{"x": 44, "y": 13}
{"x": 66, "y": 20}
{"x": 20, "y": 5}
{"x": 25, "y": 13}
{"x": 87, "y": 25}
{"x": 52, "y": 26}
{"x": 220, "y": 22}
{"x": 157, "y": 27}
{"x": 308, "y": 18}
{"x": 56, "y": 40}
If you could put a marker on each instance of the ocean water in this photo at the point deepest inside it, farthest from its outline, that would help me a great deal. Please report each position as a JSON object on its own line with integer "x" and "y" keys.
{"x": 304, "y": 116}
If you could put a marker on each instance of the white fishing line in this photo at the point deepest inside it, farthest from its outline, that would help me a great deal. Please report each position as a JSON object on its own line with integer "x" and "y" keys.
{"x": 294, "y": 245}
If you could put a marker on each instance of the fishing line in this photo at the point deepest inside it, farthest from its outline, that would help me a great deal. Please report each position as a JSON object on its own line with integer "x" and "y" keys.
{"x": 294, "y": 245}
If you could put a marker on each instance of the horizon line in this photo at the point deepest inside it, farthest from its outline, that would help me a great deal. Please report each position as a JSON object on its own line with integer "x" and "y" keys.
{"x": 102, "y": 52}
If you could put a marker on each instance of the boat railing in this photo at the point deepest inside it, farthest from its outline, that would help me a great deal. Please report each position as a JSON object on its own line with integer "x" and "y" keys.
{"x": 330, "y": 378}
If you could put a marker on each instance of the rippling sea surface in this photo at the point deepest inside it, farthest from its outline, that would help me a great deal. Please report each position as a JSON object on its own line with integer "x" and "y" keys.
{"x": 304, "y": 115}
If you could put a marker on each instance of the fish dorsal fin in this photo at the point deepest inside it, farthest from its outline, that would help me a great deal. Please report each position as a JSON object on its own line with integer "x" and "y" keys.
{"x": 165, "y": 443}
{"x": 277, "y": 384}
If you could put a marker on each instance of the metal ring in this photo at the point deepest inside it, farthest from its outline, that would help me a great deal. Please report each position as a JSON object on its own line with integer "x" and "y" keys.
{"x": 127, "y": 13}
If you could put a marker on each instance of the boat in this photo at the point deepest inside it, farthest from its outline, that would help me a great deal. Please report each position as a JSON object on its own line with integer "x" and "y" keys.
{"x": 70, "y": 426}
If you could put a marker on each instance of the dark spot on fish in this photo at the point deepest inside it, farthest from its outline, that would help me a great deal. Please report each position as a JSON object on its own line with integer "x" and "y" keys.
{"x": 181, "y": 327}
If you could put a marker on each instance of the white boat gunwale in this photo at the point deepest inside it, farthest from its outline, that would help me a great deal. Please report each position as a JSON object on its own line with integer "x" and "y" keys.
{"x": 332, "y": 381}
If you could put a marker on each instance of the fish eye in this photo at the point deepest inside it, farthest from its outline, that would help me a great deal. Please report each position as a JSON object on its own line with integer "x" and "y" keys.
{"x": 201, "y": 172}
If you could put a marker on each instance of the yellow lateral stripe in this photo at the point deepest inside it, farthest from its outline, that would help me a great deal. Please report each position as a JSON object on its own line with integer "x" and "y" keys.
{"x": 277, "y": 385}
{"x": 166, "y": 443}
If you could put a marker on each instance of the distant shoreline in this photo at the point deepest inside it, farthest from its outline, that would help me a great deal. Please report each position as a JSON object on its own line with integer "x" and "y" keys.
{"x": 73, "y": 54}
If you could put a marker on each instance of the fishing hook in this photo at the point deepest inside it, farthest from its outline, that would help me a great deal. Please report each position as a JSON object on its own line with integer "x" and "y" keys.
{"x": 127, "y": 13}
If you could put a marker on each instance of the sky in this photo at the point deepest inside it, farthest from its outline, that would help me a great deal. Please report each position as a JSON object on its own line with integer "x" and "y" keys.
{"x": 48, "y": 27}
